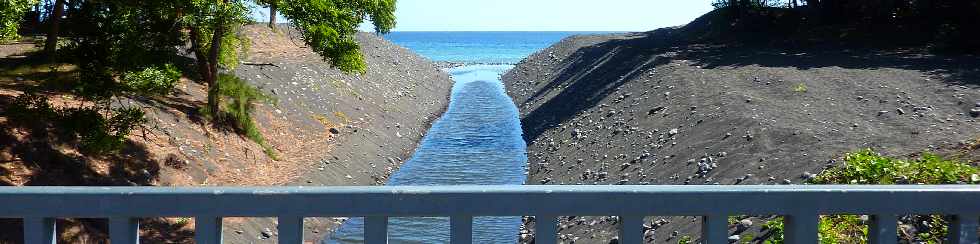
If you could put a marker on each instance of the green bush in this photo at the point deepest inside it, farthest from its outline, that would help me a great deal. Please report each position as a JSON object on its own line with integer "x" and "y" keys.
{"x": 97, "y": 131}
{"x": 775, "y": 229}
{"x": 869, "y": 167}
{"x": 11, "y": 13}
{"x": 152, "y": 80}
{"x": 240, "y": 99}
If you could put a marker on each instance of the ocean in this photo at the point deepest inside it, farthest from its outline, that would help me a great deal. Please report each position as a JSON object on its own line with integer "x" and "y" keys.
{"x": 478, "y": 141}
{"x": 478, "y": 47}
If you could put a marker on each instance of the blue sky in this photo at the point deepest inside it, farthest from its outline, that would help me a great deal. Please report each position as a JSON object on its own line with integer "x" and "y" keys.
{"x": 541, "y": 15}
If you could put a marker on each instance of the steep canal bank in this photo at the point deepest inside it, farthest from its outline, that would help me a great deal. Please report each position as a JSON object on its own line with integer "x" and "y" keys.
{"x": 476, "y": 142}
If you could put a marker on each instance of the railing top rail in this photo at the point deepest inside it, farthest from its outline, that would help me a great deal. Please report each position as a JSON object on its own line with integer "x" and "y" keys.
{"x": 480, "y": 189}
{"x": 486, "y": 200}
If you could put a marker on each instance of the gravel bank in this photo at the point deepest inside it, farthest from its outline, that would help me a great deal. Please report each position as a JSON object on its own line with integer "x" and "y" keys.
{"x": 373, "y": 121}
{"x": 643, "y": 108}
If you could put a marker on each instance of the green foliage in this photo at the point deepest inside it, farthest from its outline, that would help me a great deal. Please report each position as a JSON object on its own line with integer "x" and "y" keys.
{"x": 98, "y": 130}
{"x": 30, "y": 106}
{"x": 800, "y": 87}
{"x": 234, "y": 48}
{"x": 100, "y": 133}
{"x": 868, "y": 167}
{"x": 11, "y": 13}
{"x": 842, "y": 229}
{"x": 241, "y": 98}
{"x": 684, "y": 240}
{"x": 329, "y": 27}
{"x": 152, "y": 80}
{"x": 775, "y": 230}
{"x": 204, "y": 17}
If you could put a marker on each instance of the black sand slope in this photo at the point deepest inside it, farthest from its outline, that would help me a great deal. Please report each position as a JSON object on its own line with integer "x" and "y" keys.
{"x": 651, "y": 108}
{"x": 375, "y": 120}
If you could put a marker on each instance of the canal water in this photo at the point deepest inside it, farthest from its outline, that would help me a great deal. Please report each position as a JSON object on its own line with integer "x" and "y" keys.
{"x": 476, "y": 142}
{"x": 478, "y": 139}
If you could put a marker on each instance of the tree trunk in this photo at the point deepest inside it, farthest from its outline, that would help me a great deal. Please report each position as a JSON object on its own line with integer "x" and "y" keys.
{"x": 207, "y": 66}
{"x": 51, "y": 44}
{"x": 272, "y": 15}
{"x": 214, "y": 95}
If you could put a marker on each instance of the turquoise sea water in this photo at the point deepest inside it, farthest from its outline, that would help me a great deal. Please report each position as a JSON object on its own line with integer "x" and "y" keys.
{"x": 477, "y": 46}
{"x": 476, "y": 142}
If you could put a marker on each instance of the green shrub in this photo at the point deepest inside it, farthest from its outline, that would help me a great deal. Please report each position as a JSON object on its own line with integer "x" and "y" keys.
{"x": 97, "y": 131}
{"x": 684, "y": 240}
{"x": 152, "y": 80}
{"x": 240, "y": 99}
{"x": 775, "y": 230}
{"x": 868, "y": 167}
{"x": 30, "y": 107}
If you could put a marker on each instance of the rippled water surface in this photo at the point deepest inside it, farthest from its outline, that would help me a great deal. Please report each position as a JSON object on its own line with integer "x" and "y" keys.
{"x": 476, "y": 142}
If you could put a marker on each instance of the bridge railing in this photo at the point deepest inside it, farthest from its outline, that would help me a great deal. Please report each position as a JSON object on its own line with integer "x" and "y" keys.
{"x": 801, "y": 206}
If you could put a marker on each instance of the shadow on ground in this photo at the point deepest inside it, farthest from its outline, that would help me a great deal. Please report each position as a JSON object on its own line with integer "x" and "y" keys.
{"x": 34, "y": 154}
{"x": 593, "y": 72}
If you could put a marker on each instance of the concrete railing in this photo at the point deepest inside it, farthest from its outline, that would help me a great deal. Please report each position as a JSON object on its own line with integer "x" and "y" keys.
{"x": 801, "y": 205}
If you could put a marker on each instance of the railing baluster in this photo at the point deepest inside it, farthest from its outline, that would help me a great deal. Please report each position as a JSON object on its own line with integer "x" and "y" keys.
{"x": 963, "y": 229}
{"x": 883, "y": 229}
{"x": 714, "y": 229}
{"x": 546, "y": 229}
{"x": 631, "y": 229}
{"x": 207, "y": 230}
{"x": 801, "y": 228}
{"x": 40, "y": 230}
{"x": 290, "y": 230}
{"x": 376, "y": 230}
{"x": 124, "y": 230}
{"x": 461, "y": 229}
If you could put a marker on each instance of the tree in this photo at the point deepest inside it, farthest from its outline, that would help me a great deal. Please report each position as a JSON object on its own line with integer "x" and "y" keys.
{"x": 51, "y": 43}
{"x": 273, "y": 10}
{"x": 11, "y": 14}
{"x": 327, "y": 26}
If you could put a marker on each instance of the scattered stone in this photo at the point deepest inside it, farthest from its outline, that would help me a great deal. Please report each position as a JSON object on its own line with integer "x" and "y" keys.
{"x": 744, "y": 224}
{"x": 882, "y": 112}
{"x": 808, "y": 176}
{"x": 734, "y": 238}
{"x": 975, "y": 112}
{"x": 334, "y": 131}
{"x": 266, "y": 233}
{"x": 900, "y": 111}
{"x": 656, "y": 110}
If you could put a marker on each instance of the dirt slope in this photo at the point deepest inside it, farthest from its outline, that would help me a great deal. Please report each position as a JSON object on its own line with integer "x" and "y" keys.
{"x": 327, "y": 128}
{"x": 646, "y": 108}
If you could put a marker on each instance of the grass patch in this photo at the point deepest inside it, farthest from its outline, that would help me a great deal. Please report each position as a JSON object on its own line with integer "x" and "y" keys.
{"x": 801, "y": 88}
{"x": 684, "y": 240}
{"x": 239, "y": 103}
{"x": 869, "y": 167}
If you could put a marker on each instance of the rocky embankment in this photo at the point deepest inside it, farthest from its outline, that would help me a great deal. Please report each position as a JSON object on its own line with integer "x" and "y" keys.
{"x": 648, "y": 108}
{"x": 372, "y": 122}
{"x": 325, "y": 128}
